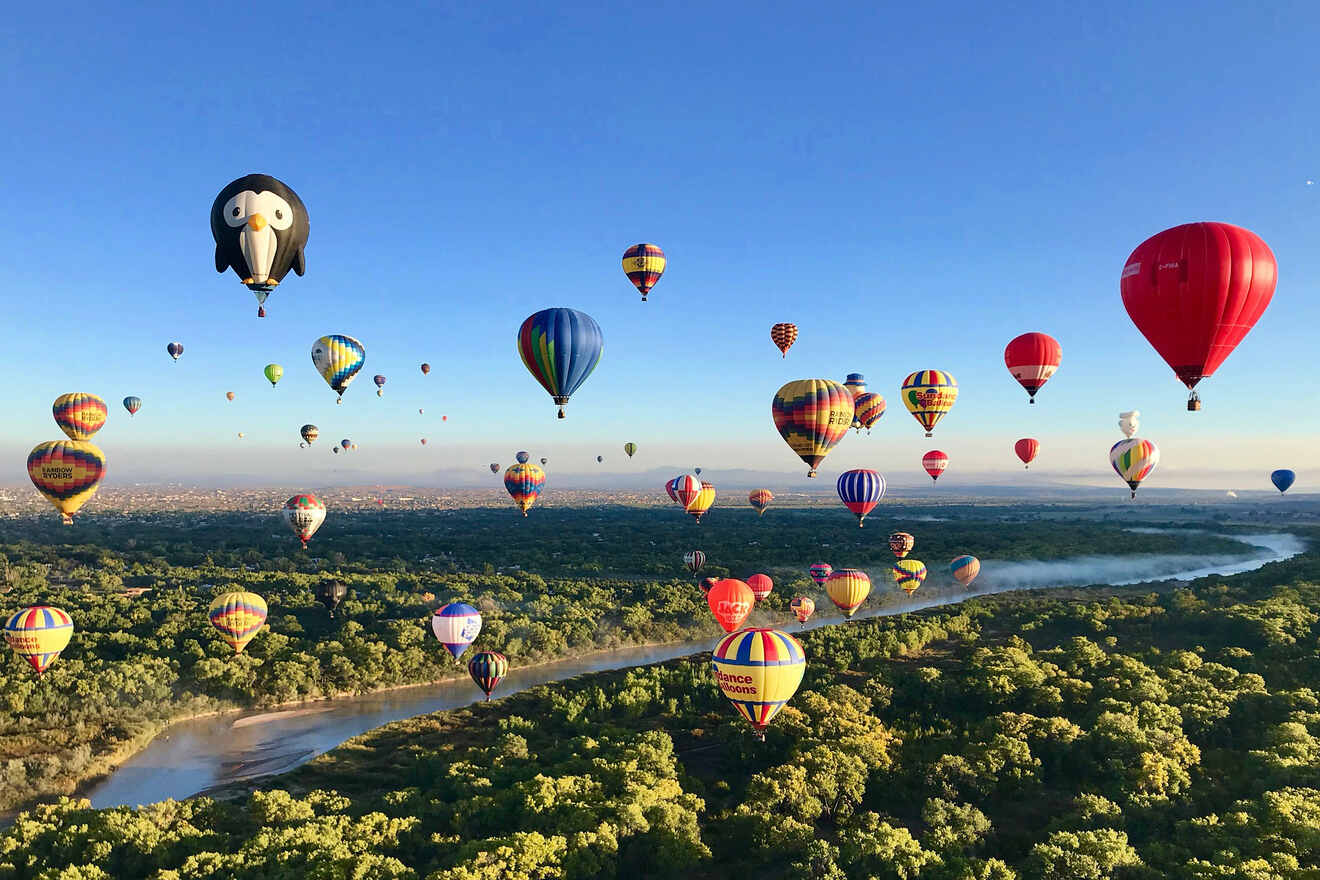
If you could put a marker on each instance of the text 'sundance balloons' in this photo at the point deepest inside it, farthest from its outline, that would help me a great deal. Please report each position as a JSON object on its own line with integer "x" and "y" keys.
{"x": 759, "y": 670}
{"x": 38, "y": 635}
{"x": 929, "y": 395}
{"x": 560, "y": 347}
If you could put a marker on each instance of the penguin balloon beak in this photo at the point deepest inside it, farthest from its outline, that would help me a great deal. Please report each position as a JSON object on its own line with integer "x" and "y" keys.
{"x": 256, "y": 222}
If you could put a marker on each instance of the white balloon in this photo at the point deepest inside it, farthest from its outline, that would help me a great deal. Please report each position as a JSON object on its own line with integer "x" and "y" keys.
{"x": 1129, "y": 422}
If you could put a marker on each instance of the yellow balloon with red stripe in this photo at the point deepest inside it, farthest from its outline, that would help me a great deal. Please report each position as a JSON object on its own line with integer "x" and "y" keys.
{"x": 644, "y": 264}
{"x": 239, "y": 616}
{"x": 67, "y": 472}
{"x": 909, "y": 574}
{"x": 703, "y": 501}
{"x": 759, "y": 670}
{"x": 79, "y": 415}
{"x": 39, "y": 634}
{"x": 929, "y": 395}
{"x": 848, "y": 589}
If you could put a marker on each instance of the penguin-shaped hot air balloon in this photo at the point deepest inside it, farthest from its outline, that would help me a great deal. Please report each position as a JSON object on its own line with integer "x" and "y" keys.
{"x": 260, "y": 228}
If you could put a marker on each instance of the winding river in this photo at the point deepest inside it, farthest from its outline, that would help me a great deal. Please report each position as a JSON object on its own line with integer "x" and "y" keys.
{"x": 193, "y": 756}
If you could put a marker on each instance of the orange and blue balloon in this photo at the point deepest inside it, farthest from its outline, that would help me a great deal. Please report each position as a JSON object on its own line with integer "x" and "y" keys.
{"x": 965, "y": 569}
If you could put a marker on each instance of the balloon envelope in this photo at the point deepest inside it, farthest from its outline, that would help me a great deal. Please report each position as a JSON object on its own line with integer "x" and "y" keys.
{"x": 761, "y": 586}
{"x": 820, "y": 572}
{"x": 522, "y": 457}
{"x": 560, "y": 347}
{"x": 488, "y": 669}
{"x": 309, "y": 433}
{"x": 965, "y": 569}
{"x": 644, "y": 264}
{"x": 1129, "y": 422}
{"x": 456, "y": 626}
{"x": 909, "y": 574}
{"x": 1026, "y": 449}
{"x": 1133, "y": 460}
{"x": 273, "y": 373}
{"x": 260, "y": 227}
{"x": 869, "y": 407}
{"x": 523, "y": 481}
{"x": 848, "y": 589}
{"x": 1282, "y": 479}
{"x": 132, "y": 404}
{"x": 901, "y": 543}
{"x": 38, "y": 635}
{"x": 694, "y": 560}
{"x": 760, "y": 499}
{"x": 331, "y": 593}
{"x": 783, "y": 335}
{"x": 935, "y": 462}
{"x": 79, "y": 415}
{"x": 860, "y": 490}
{"x": 730, "y": 600}
{"x": 702, "y": 503}
{"x": 304, "y": 514}
{"x": 67, "y": 472}
{"x": 1031, "y": 359}
{"x": 239, "y": 616}
{"x": 174, "y": 349}
{"x": 338, "y": 359}
{"x": 629, "y": 449}
{"x": 929, "y": 395}
{"x": 812, "y": 415}
{"x": 803, "y": 607}
{"x": 759, "y": 670}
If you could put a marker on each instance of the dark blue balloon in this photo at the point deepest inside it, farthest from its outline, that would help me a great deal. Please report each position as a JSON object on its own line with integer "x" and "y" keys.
{"x": 1282, "y": 479}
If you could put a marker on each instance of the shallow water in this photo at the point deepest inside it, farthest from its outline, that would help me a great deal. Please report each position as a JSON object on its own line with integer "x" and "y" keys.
{"x": 193, "y": 756}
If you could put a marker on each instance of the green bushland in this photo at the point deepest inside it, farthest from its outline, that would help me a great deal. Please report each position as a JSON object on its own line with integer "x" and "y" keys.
{"x": 614, "y": 576}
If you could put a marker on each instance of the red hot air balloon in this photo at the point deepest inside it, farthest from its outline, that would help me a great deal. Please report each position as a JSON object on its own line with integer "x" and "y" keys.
{"x": 1026, "y": 449}
{"x": 686, "y": 489}
{"x": 1195, "y": 291}
{"x": 426, "y": 368}
{"x": 1032, "y": 358}
{"x": 730, "y": 601}
{"x": 761, "y": 585}
{"x": 935, "y": 462}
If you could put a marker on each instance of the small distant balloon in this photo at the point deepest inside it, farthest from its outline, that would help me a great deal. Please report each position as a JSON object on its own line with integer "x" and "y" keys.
{"x": 273, "y": 372}
{"x": 310, "y": 433}
{"x": 175, "y": 349}
{"x": 229, "y": 395}
{"x": 935, "y": 462}
{"x": 380, "y": 384}
{"x": 644, "y": 264}
{"x": 600, "y": 459}
{"x": 965, "y": 569}
{"x": 79, "y": 415}
{"x": 522, "y": 457}
{"x": 783, "y": 335}
{"x": 545, "y": 461}
{"x": 426, "y": 368}
{"x": 1283, "y": 480}
{"x": 1129, "y": 422}
{"x": 494, "y": 467}
{"x": 132, "y": 404}
{"x": 1026, "y": 450}
{"x": 630, "y": 449}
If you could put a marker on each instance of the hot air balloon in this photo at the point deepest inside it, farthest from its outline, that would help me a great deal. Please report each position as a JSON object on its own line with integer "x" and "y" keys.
{"x": 523, "y": 482}
{"x": 599, "y": 459}
{"x": 38, "y": 635}
{"x": 260, "y": 227}
{"x": 856, "y": 383}
{"x": 1230, "y": 494}
{"x": 175, "y": 349}
{"x": 760, "y": 499}
{"x": 241, "y": 435}
{"x": 909, "y": 574}
{"x": 79, "y": 415}
{"x": 730, "y": 600}
{"x": 803, "y": 607}
{"x": 488, "y": 669}
{"x": 868, "y": 408}
{"x": 935, "y": 462}
{"x": 426, "y": 368}
{"x": 423, "y": 441}
{"x": 338, "y": 359}
{"x": 494, "y": 467}
{"x": 273, "y": 373}
{"x": 1032, "y": 358}
{"x": 304, "y": 513}
{"x": 671, "y": 489}
{"x": 901, "y": 543}
{"x": 759, "y": 670}
{"x": 707, "y": 583}
{"x": 560, "y": 347}
{"x": 1282, "y": 480}
{"x": 783, "y": 335}
{"x": 1129, "y": 422}
{"x": 928, "y": 395}
{"x": 229, "y": 395}
{"x": 522, "y": 457}
{"x": 331, "y": 593}
{"x": 812, "y": 415}
{"x": 694, "y": 560}
{"x": 67, "y": 472}
{"x": 309, "y": 433}
{"x": 697, "y": 471}
{"x": 239, "y": 616}
{"x": 629, "y": 449}
{"x": 644, "y": 264}
{"x": 334, "y": 449}
{"x": 1195, "y": 291}
{"x": 132, "y": 404}
{"x": 545, "y": 461}
{"x": 848, "y": 589}
{"x": 686, "y": 489}
{"x": 965, "y": 569}
{"x": 456, "y": 626}
{"x": 1026, "y": 449}
{"x": 380, "y": 384}
{"x": 1133, "y": 460}
{"x": 820, "y": 572}
{"x": 444, "y": 418}
{"x": 346, "y": 444}
{"x": 761, "y": 585}
{"x": 860, "y": 490}
{"x": 702, "y": 503}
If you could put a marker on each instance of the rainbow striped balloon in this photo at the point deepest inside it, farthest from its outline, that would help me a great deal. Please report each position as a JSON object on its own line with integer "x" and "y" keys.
{"x": 560, "y": 347}
{"x": 861, "y": 489}
{"x": 67, "y": 472}
{"x": 909, "y": 574}
{"x": 803, "y": 607}
{"x": 38, "y": 635}
{"x": 239, "y": 616}
{"x": 456, "y": 626}
{"x": 760, "y": 499}
{"x": 812, "y": 415}
{"x": 487, "y": 669}
{"x": 523, "y": 482}
{"x": 644, "y": 264}
{"x": 759, "y": 670}
{"x": 1133, "y": 460}
{"x": 928, "y": 395}
{"x": 79, "y": 415}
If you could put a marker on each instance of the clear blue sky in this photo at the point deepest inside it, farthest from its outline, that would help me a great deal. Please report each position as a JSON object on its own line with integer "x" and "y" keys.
{"x": 912, "y": 184}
